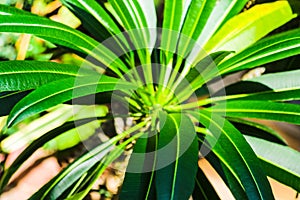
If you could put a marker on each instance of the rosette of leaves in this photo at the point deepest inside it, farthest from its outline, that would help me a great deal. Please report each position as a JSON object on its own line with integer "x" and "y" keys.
{"x": 158, "y": 74}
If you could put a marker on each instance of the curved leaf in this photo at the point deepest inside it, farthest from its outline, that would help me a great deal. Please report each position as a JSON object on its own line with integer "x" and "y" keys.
{"x": 61, "y": 91}
{"x": 241, "y": 161}
{"x": 259, "y": 109}
{"x": 279, "y": 162}
{"x": 9, "y": 10}
{"x": 138, "y": 182}
{"x": 179, "y": 148}
{"x": 73, "y": 39}
{"x": 26, "y": 75}
{"x": 34, "y": 146}
{"x": 270, "y": 49}
{"x": 245, "y": 29}
{"x": 216, "y": 13}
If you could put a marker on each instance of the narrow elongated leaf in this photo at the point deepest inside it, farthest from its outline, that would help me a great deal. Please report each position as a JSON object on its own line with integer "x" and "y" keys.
{"x": 34, "y": 146}
{"x": 60, "y": 183}
{"x": 228, "y": 177}
{"x": 178, "y": 152}
{"x": 26, "y": 75}
{"x": 270, "y": 49}
{"x": 133, "y": 18}
{"x": 61, "y": 91}
{"x": 215, "y": 14}
{"x": 259, "y": 109}
{"x": 173, "y": 11}
{"x": 9, "y": 10}
{"x": 248, "y": 27}
{"x": 96, "y": 10}
{"x": 241, "y": 161}
{"x": 279, "y": 162}
{"x": 139, "y": 182}
{"x": 73, "y": 39}
{"x": 274, "y": 86}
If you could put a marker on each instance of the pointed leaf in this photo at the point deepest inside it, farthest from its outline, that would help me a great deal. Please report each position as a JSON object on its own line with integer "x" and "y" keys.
{"x": 270, "y": 49}
{"x": 241, "y": 161}
{"x": 177, "y": 158}
{"x": 138, "y": 182}
{"x": 26, "y": 75}
{"x": 279, "y": 162}
{"x": 248, "y": 27}
{"x": 36, "y": 145}
{"x": 61, "y": 91}
{"x": 259, "y": 109}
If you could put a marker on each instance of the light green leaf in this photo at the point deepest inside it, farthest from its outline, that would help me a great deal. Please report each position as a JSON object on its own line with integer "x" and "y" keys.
{"x": 245, "y": 29}
{"x": 279, "y": 162}
{"x": 178, "y": 152}
{"x": 267, "y": 50}
{"x": 61, "y": 91}
{"x": 241, "y": 161}
{"x": 173, "y": 11}
{"x": 25, "y": 75}
{"x": 134, "y": 20}
{"x": 216, "y": 13}
{"x": 285, "y": 112}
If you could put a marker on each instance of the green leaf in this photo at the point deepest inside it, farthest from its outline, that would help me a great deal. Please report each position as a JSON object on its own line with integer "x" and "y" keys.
{"x": 138, "y": 181}
{"x": 279, "y": 162}
{"x": 248, "y": 27}
{"x": 73, "y": 39}
{"x": 34, "y": 146}
{"x": 134, "y": 21}
{"x": 257, "y": 130}
{"x": 94, "y": 9}
{"x": 278, "y": 87}
{"x": 173, "y": 11}
{"x": 203, "y": 188}
{"x": 228, "y": 177}
{"x": 60, "y": 183}
{"x": 241, "y": 160}
{"x": 259, "y": 109}
{"x": 10, "y": 10}
{"x": 177, "y": 159}
{"x": 270, "y": 49}
{"x": 61, "y": 91}
{"x": 26, "y": 75}
{"x": 215, "y": 14}
{"x": 101, "y": 156}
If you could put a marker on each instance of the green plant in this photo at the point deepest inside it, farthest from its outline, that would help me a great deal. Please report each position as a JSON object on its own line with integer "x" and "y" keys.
{"x": 158, "y": 74}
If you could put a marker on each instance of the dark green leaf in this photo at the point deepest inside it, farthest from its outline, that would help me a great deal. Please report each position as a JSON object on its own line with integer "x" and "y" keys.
{"x": 203, "y": 188}
{"x": 177, "y": 158}
{"x": 241, "y": 160}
